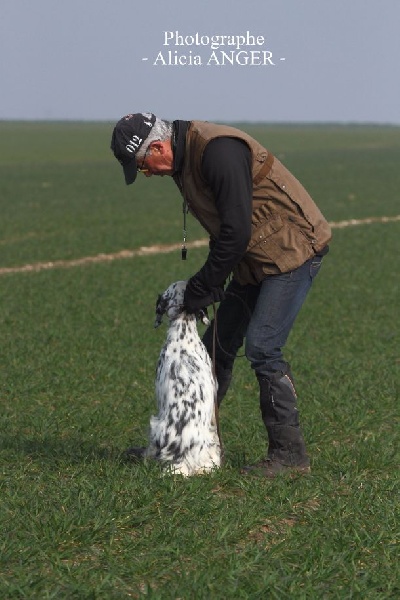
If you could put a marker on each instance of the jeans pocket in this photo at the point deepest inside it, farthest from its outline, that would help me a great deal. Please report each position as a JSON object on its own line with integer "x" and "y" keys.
{"x": 315, "y": 266}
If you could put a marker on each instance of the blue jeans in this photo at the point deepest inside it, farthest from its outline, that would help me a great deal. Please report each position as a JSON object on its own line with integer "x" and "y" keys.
{"x": 264, "y": 314}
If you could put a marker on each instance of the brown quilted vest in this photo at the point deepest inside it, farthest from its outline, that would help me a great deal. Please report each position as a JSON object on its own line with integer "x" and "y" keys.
{"x": 287, "y": 226}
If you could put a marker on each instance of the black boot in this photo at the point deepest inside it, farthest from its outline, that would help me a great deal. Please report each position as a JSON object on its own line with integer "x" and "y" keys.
{"x": 286, "y": 452}
{"x": 286, "y": 449}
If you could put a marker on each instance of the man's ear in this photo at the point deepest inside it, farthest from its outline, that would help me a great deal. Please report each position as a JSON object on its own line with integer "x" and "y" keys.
{"x": 163, "y": 147}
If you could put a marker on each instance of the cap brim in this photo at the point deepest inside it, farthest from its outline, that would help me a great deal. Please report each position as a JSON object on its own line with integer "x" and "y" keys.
{"x": 130, "y": 171}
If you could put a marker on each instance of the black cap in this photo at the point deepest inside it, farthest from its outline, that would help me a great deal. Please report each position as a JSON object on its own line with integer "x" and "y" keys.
{"x": 128, "y": 137}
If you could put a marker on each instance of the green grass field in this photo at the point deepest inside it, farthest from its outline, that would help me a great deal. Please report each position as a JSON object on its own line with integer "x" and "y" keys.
{"x": 78, "y": 354}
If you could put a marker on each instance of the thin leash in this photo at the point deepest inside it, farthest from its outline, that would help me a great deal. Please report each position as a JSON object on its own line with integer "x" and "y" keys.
{"x": 216, "y": 339}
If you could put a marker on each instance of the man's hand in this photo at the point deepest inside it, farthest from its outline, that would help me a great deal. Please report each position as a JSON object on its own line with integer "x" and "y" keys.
{"x": 197, "y": 297}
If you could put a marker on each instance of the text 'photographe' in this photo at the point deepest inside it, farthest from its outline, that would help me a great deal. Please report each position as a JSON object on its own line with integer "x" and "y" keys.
{"x": 197, "y": 50}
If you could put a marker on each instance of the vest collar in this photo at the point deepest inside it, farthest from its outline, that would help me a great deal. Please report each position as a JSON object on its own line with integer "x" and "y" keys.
{"x": 179, "y": 131}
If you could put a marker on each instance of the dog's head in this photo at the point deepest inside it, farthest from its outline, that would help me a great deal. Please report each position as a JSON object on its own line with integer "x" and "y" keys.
{"x": 171, "y": 303}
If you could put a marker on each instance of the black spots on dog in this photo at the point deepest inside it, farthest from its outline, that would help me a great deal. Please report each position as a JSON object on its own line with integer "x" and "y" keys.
{"x": 170, "y": 421}
{"x": 189, "y": 404}
{"x": 193, "y": 364}
{"x": 190, "y": 361}
{"x": 173, "y": 407}
{"x": 181, "y": 383}
{"x": 166, "y": 439}
{"x": 175, "y": 450}
{"x": 173, "y": 446}
{"x": 182, "y": 333}
{"x": 161, "y": 362}
{"x": 180, "y": 425}
{"x": 172, "y": 371}
{"x": 201, "y": 394}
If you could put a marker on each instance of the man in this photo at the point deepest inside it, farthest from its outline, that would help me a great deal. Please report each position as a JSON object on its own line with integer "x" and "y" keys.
{"x": 265, "y": 230}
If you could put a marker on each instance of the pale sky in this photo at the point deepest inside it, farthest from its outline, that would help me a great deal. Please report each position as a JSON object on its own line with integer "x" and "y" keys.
{"x": 332, "y": 60}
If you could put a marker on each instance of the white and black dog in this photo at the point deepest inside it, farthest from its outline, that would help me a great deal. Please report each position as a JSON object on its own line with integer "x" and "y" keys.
{"x": 183, "y": 436}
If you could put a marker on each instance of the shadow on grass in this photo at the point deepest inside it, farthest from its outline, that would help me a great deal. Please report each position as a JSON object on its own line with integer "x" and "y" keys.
{"x": 72, "y": 449}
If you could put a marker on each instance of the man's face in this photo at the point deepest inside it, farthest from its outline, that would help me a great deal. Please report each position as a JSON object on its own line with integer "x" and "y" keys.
{"x": 159, "y": 159}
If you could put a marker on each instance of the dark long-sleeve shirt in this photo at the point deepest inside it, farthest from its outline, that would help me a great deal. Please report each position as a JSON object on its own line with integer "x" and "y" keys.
{"x": 226, "y": 166}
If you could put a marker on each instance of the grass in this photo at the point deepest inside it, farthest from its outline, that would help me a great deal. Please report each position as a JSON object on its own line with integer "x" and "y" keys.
{"x": 78, "y": 353}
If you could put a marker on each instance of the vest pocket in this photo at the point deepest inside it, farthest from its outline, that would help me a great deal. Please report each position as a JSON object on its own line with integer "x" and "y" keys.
{"x": 275, "y": 242}
{"x": 259, "y": 243}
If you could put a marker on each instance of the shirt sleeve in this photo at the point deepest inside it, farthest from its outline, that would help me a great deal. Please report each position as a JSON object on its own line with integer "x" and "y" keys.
{"x": 226, "y": 167}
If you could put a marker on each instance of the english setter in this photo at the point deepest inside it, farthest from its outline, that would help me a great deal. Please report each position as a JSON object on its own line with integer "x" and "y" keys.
{"x": 184, "y": 434}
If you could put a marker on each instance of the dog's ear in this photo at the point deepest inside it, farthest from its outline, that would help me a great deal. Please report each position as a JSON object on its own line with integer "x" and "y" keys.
{"x": 161, "y": 307}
